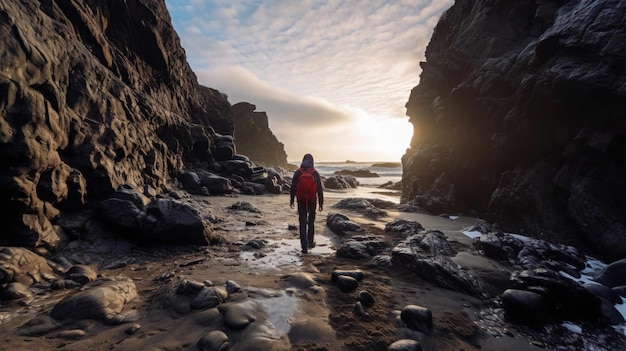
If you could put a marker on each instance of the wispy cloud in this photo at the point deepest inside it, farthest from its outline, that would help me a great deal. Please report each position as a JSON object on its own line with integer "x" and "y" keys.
{"x": 315, "y": 67}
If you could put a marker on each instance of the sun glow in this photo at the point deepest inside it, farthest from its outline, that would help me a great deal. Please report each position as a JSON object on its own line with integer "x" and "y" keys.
{"x": 366, "y": 139}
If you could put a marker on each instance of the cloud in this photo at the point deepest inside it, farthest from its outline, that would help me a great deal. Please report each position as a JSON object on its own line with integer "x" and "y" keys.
{"x": 316, "y": 67}
{"x": 288, "y": 111}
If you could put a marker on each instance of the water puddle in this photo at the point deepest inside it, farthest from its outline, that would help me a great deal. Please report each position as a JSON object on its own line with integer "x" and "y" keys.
{"x": 284, "y": 253}
{"x": 280, "y": 311}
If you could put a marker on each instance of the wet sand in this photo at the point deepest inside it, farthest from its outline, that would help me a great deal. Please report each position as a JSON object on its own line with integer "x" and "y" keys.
{"x": 296, "y": 305}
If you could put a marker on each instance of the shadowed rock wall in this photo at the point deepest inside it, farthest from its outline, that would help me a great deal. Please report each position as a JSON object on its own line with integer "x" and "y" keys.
{"x": 93, "y": 94}
{"x": 519, "y": 117}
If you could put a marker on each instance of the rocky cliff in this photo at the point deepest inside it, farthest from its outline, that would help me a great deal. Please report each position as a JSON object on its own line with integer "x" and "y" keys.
{"x": 95, "y": 95}
{"x": 520, "y": 117}
{"x": 255, "y": 139}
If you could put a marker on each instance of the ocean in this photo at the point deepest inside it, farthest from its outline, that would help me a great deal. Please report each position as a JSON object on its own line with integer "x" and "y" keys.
{"x": 393, "y": 173}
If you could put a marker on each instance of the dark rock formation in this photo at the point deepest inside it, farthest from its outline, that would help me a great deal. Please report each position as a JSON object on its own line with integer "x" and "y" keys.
{"x": 93, "y": 96}
{"x": 254, "y": 137}
{"x": 519, "y": 117}
{"x": 90, "y": 101}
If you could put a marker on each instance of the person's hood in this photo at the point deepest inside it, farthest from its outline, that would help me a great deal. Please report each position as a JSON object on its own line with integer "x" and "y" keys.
{"x": 307, "y": 161}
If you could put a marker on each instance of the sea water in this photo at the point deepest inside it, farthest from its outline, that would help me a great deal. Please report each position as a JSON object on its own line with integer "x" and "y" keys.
{"x": 386, "y": 174}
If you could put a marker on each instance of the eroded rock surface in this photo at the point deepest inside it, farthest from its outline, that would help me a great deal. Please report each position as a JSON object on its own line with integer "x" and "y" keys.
{"x": 518, "y": 116}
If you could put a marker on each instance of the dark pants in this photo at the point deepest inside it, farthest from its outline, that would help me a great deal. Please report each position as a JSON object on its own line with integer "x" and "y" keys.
{"x": 306, "y": 216}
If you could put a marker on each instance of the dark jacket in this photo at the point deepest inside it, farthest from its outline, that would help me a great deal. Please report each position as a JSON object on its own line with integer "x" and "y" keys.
{"x": 307, "y": 162}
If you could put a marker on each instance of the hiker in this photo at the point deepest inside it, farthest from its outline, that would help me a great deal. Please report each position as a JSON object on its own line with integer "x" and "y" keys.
{"x": 307, "y": 188}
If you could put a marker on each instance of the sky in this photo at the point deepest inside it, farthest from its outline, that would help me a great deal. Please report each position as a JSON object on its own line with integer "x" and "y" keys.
{"x": 333, "y": 77}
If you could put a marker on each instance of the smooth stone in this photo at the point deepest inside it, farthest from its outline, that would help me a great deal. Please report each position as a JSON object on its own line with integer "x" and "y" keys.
{"x": 346, "y": 284}
{"x": 613, "y": 274}
{"x": 417, "y": 318}
{"x": 356, "y": 274}
{"x": 604, "y": 292}
{"x": 405, "y": 345}
{"x": 237, "y": 316}
{"x": 215, "y": 340}
{"x": 523, "y": 306}
{"x": 366, "y": 298}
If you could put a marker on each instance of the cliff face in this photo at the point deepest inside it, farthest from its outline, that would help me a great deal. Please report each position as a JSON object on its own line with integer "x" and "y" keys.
{"x": 93, "y": 94}
{"x": 255, "y": 139}
{"x": 519, "y": 117}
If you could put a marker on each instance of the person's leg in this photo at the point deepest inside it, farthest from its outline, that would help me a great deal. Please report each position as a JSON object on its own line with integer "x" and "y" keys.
{"x": 302, "y": 218}
{"x": 311, "y": 224}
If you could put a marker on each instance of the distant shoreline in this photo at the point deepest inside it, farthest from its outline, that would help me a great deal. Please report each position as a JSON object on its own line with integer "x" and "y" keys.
{"x": 383, "y": 164}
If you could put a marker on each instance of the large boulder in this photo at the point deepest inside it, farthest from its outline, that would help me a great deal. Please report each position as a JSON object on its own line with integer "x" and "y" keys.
{"x": 104, "y": 301}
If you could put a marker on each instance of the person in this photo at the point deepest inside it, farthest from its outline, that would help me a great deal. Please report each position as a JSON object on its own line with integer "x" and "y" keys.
{"x": 306, "y": 187}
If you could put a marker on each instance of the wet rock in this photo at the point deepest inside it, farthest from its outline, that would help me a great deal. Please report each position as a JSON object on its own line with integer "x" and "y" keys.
{"x": 361, "y": 205}
{"x": 15, "y": 291}
{"x": 163, "y": 220}
{"x": 82, "y": 274}
{"x": 569, "y": 300}
{"x": 129, "y": 193}
{"x": 256, "y": 244}
{"x": 232, "y": 287}
{"x": 101, "y": 302}
{"x": 417, "y": 318}
{"x": 356, "y": 274}
{"x": 191, "y": 183}
{"x": 621, "y": 290}
{"x": 346, "y": 284}
{"x": 403, "y": 226}
{"x": 237, "y": 316}
{"x": 360, "y": 311}
{"x": 340, "y": 224}
{"x": 23, "y": 266}
{"x": 244, "y": 206}
{"x": 405, "y": 345}
{"x": 120, "y": 214}
{"x": 214, "y": 183}
{"x": 437, "y": 268}
{"x": 209, "y": 297}
{"x": 133, "y": 329}
{"x": 71, "y": 334}
{"x": 610, "y": 313}
{"x": 435, "y": 243}
{"x": 60, "y": 284}
{"x": 524, "y": 307}
{"x": 187, "y": 287}
{"x": 614, "y": 274}
{"x": 366, "y": 298}
{"x": 341, "y": 182}
{"x": 210, "y": 317}
{"x": 215, "y": 340}
{"x": 604, "y": 292}
{"x": 40, "y": 325}
{"x": 381, "y": 260}
{"x": 171, "y": 221}
{"x": 361, "y": 246}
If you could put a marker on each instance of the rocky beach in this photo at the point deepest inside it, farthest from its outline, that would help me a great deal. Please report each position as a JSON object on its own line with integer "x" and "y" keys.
{"x": 253, "y": 289}
{"x": 143, "y": 210}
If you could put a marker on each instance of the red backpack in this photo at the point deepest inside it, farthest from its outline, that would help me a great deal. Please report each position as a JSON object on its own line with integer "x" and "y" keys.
{"x": 306, "y": 189}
